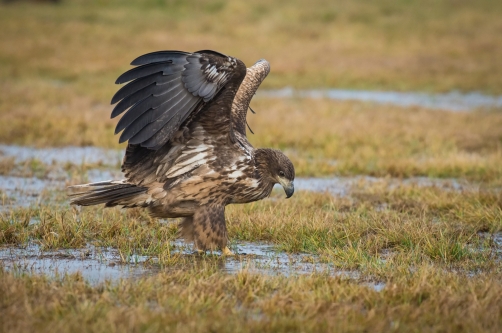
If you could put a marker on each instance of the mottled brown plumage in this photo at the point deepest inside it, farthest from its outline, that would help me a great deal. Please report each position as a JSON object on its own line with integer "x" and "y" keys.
{"x": 187, "y": 154}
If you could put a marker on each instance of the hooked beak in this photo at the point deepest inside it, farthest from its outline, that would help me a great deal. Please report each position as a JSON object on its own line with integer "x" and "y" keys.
{"x": 288, "y": 186}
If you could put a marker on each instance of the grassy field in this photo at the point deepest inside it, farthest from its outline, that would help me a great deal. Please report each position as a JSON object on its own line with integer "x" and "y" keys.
{"x": 344, "y": 138}
{"x": 399, "y": 45}
{"x": 435, "y": 251}
{"x": 58, "y": 63}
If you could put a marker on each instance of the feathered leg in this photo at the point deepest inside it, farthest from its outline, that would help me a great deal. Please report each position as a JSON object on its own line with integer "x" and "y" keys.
{"x": 207, "y": 229}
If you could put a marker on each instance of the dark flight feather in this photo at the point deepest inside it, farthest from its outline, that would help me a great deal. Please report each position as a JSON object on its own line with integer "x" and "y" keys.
{"x": 138, "y": 84}
{"x": 164, "y": 67}
{"x": 175, "y": 57}
{"x": 163, "y": 90}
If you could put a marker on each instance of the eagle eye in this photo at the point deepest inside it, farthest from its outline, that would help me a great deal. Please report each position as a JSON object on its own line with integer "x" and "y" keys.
{"x": 281, "y": 173}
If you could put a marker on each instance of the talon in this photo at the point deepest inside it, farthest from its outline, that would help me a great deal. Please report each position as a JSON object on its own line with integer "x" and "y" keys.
{"x": 226, "y": 252}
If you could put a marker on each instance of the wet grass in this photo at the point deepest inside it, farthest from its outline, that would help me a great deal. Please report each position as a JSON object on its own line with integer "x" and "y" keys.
{"x": 426, "y": 299}
{"x": 432, "y": 249}
{"x": 341, "y": 138}
{"x": 347, "y": 138}
{"x": 58, "y": 68}
{"x": 34, "y": 167}
{"x": 435, "y": 251}
{"x": 436, "y": 224}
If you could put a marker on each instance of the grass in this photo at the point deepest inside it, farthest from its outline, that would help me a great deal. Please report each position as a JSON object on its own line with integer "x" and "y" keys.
{"x": 431, "y": 247}
{"x": 344, "y": 138}
{"x": 209, "y": 301}
{"x": 57, "y": 70}
{"x": 435, "y": 250}
{"x": 350, "y": 138}
{"x": 438, "y": 224}
{"x": 398, "y": 45}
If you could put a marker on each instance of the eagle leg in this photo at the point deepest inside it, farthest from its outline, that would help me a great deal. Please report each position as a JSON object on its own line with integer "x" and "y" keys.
{"x": 207, "y": 229}
{"x": 186, "y": 229}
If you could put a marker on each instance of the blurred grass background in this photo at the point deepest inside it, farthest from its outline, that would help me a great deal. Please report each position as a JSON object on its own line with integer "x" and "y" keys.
{"x": 387, "y": 44}
{"x": 58, "y": 62}
{"x": 436, "y": 251}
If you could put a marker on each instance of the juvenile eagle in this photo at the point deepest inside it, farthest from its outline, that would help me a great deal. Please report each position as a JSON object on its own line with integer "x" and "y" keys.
{"x": 187, "y": 154}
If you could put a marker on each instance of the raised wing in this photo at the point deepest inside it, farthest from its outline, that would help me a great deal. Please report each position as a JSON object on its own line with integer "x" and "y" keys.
{"x": 254, "y": 77}
{"x": 164, "y": 90}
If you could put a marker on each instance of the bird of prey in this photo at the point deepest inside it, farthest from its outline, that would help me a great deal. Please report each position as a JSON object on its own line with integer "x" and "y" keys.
{"x": 187, "y": 153}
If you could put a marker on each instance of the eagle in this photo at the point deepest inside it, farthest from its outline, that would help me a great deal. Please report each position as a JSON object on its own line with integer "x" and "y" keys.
{"x": 187, "y": 153}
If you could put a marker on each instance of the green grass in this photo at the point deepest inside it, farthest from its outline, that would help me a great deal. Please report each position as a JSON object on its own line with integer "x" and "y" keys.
{"x": 431, "y": 247}
{"x": 438, "y": 224}
{"x": 58, "y": 64}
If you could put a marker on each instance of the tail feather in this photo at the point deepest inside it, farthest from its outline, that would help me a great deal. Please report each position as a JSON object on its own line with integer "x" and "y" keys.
{"x": 111, "y": 193}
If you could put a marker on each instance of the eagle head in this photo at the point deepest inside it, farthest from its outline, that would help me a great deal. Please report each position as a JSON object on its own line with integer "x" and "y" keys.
{"x": 276, "y": 168}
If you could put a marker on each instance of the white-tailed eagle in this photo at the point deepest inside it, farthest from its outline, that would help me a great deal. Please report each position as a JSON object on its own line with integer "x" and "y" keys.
{"x": 187, "y": 154}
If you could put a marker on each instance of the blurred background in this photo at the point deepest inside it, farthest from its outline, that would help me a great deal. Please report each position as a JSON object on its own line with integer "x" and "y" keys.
{"x": 59, "y": 61}
{"x": 392, "y": 109}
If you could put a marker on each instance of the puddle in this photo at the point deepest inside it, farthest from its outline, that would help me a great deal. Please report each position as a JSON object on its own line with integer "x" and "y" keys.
{"x": 342, "y": 186}
{"x": 452, "y": 101}
{"x": 97, "y": 264}
{"x": 23, "y": 192}
{"x": 496, "y": 240}
{"x": 76, "y": 155}
{"x": 264, "y": 259}
{"x": 28, "y": 191}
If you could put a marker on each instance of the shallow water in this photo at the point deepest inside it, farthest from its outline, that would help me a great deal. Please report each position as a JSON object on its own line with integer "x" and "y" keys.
{"x": 97, "y": 265}
{"x": 27, "y": 191}
{"x": 452, "y": 101}
{"x": 342, "y": 186}
{"x": 24, "y": 191}
{"x": 75, "y": 155}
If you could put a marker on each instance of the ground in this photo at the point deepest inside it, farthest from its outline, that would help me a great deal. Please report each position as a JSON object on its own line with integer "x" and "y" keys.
{"x": 409, "y": 239}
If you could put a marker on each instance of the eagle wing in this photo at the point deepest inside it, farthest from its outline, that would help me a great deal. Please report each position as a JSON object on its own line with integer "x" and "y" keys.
{"x": 164, "y": 90}
{"x": 254, "y": 77}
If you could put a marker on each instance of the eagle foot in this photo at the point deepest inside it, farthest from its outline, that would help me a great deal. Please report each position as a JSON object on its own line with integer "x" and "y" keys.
{"x": 227, "y": 252}
{"x": 199, "y": 252}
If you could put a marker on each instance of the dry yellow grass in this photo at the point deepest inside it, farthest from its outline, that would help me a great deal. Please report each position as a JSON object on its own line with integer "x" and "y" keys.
{"x": 434, "y": 249}
{"x": 430, "y": 247}
{"x": 322, "y": 137}
{"x": 426, "y": 300}
{"x": 410, "y": 45}
{"x": 352, "y": 138}
{"x": 57, "y": 70}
